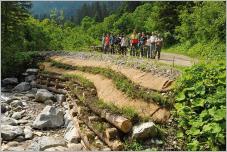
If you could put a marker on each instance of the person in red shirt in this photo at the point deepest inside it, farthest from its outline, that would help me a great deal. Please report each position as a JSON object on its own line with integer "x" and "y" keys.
{"x": 107, "y": 44}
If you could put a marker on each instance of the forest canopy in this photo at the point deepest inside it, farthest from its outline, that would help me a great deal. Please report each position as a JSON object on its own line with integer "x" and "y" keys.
{"x": 192, "y": 28}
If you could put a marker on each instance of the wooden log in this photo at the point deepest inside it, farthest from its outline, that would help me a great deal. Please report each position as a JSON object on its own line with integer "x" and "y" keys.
{"x": 116, "y": 145}
{"x": 50, "y": 89}
{"x": 53, "y": 76}
{"x": 111, "y": 133}
{"x": 118, "y": 121}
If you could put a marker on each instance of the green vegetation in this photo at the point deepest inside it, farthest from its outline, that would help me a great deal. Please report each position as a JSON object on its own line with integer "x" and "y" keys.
{"x": 122, "y": 83}
{"x": 133, "y": 145}
{"x": 125, "y": 111}
{"x": 201, "y": 107}
{"x": 79, "y": 78}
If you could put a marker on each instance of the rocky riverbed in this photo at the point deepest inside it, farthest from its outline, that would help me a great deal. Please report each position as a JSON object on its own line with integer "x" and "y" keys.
{"x": 35, "y": 119}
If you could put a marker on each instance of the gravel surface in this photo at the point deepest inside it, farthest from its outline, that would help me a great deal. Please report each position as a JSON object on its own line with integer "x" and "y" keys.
{"x": 143, "y": 64}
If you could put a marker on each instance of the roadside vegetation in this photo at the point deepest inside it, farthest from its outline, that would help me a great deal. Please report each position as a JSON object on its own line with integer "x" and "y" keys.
{"x": 201, "y": 107}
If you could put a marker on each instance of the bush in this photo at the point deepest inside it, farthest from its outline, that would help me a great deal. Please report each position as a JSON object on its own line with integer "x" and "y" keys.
{"x": 200, "y": 107}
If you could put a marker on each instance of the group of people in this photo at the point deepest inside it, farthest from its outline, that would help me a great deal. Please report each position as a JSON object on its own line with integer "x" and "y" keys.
{"x": 139, "y": 44}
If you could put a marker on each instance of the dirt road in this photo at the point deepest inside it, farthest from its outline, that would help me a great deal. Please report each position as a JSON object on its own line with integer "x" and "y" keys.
{"x": 178, "y": 59}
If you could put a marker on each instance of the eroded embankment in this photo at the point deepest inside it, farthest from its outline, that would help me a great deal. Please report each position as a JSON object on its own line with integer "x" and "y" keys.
{"x": 145, "y": 79}
{"x": 107, "y": 91}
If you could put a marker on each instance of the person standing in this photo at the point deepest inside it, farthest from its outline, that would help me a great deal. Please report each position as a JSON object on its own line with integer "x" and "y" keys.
{"x": 107, "y": 44}
{"x": 158, "y": 45}
{"x": 124, "y": 44}
{"x": 111, "y": 43}
{"x": 103, "y": 41}
{"x": 134, "y": 43}
{"x": 142, "y": 41}
{"x": 152, "y": 45}
{"x": 147, "y": 46}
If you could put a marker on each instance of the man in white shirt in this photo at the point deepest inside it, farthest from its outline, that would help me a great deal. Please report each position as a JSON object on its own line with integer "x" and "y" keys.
{"x": 152, "y": 45}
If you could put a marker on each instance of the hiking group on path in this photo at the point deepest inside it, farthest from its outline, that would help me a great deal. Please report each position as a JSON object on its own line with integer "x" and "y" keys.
{"x": 139, "y": 44}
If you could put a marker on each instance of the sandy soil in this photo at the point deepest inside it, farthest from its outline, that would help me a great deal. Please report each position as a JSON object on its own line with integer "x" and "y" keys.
{"x": 145, "y": 79}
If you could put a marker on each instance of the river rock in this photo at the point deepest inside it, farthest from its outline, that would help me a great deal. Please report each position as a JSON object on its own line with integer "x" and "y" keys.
{"x": 144, "y": 130}
{"x": 60, "y": 98}
{"x": 32, "y": 71}
{"x": 4, "y": 107}
{"x": 67, "y": 118}
{"x": 72, "y": 135}
{"x": 50, "y": 117}
{"x": 75, "y": 147}
{"x": 30, "y": 95}
{"x": 58, "y": 148}
{"x": 43, "y": 95}
{"x": 27, "y": 132}
{"x": 9, "y": 81}
{"x": 16, "y": 103}
{"x": 23, "y": 86}
{"x": 44, "y": 142}
{"x": 48, "y": 102}
{"x": 9, "y": 132}
{"x": 8, "y": 121}
{"x": 30, "y": 78}
{"x": 18, "y": 115}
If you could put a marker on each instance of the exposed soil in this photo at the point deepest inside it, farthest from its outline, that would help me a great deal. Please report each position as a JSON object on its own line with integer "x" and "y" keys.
{"x": 108, "y": 92}
{"x": 145, "y": 79}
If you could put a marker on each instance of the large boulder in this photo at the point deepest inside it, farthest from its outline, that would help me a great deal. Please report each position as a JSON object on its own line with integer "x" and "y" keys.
{"x": 23, "y": 86}
{"x": 9, "y": 81}
{"x": 43, "y": 95}
{"x": 144, "y": 130}
{"x": 9, "y": 132}
{"x": 30, "y": 78}
{"x": 50, "y": 117}
{"x": 32, "y": 71}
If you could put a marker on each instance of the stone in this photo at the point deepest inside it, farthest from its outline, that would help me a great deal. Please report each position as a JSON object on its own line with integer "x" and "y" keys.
{"x": 144, "y": 130}
{"x": 9, "y": 81}
{"x": 34, "y": 90}
{"x": 47, "y": 142}
{"x": 38, "y": 133}
{"x": 43, "y": 95}
{"x": 20, "y": 138}
{"x": 22, "y": 121}
{"x": 60, "y": 98}
{"x": 8, "y": 121}
{"x": 33, "y": 84}
{"x": 50, "y": 117}
{"x": 30, "y": 95}
{"x": 75, "y": 147}
{"x": 32, "y": 71}
{"x": 25, "y": 74}
{"x": 9, "y": 132}
{"x": 30, "y": 78}
{"x": 58, "y": 148}
{"x": 28, "y": 132}
{"x": 48, "y": 102}
{"x": 72, "y": 135}
{"x": 4, "y": 107}
{"x": 23, "y": 86}
{"x": 67, "y": 118}
{"x": 16, "y": 103}
{"x": 18, "y": 115}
